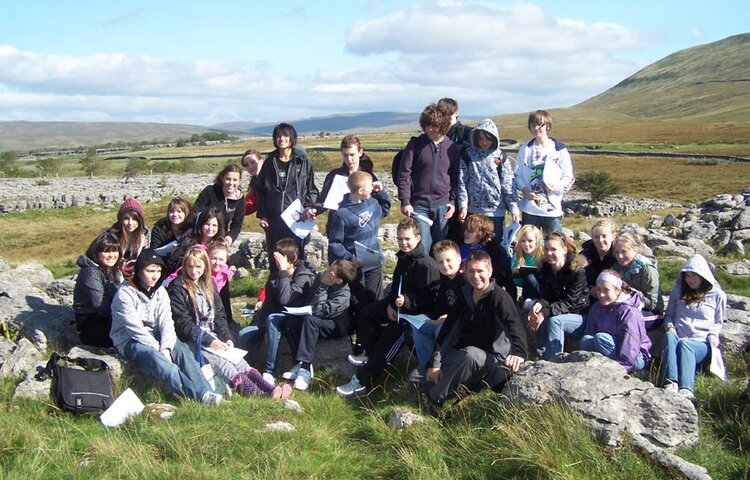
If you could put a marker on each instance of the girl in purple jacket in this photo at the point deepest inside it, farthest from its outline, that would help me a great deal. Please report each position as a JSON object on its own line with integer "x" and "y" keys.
{"x": 614, "y": 326}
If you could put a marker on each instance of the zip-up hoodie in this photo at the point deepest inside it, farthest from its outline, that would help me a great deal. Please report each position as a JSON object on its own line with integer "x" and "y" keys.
{"x": 331, "y": 302}
{"x": 419, "y": 277}
{"x": 485, "y": 177}
{"x": 698, "y": 320}
{"x": 300, "y": 183}
{"x": 622, "y": 320}
{"x": 425, "y": 172}
{"x": 141, "y": 314}
{"x": 530, "y": 166}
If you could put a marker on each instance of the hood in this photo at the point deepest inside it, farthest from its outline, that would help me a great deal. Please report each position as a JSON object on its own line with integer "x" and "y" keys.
{"x": 148, "y": 257}
{"x": 84, "y": 261}
{"x": 630, "y": 300}
{"x": 698, "y": 264}
{"x": 486, "y": 125}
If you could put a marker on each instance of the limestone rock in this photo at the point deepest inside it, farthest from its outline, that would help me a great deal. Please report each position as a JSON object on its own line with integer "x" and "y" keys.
{"x": 62, "y": 290}
{"x": 401, "y": 418}
{"x": 675, "y": 250}
{"x": 738, "y": 268}
{"x": 279, "y": 427}
{"x": 610, "y": 401}
{"x": 742, "y": 220}
{"x": 699, "y": 246}
{"x": 23, "y": 360}
{"x": 734, "y": 247}
{"x": 107, "y": 355}
{"x": 33, "y": 389}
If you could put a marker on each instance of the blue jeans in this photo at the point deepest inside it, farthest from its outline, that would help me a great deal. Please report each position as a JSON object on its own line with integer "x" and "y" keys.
{"x": 424, "y": 341}
{"x": 680, "y": 357}
{"x": 547, "y": 224}
{"x": 550, "y": 338}
{"x": 439, "y": 229}
{"x": 275, "y": 324}
{"x": 606, "y": 344}
{"x": 182, "y": 375}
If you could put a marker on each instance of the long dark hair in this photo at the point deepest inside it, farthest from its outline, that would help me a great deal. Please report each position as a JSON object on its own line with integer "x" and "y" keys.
{"x": 689, "y": 295}
{"x": 202, "y": 218}
{"x": 106, "y": 241}
{"x": 131, "y": 243}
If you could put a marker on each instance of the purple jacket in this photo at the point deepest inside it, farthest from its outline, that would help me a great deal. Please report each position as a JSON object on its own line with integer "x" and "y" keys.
{"x": 427, "y": 173}
{"x": 622, "y": 320}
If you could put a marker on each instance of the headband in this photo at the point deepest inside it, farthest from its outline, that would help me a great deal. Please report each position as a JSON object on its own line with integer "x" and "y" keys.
{"x": 608, "y": 277}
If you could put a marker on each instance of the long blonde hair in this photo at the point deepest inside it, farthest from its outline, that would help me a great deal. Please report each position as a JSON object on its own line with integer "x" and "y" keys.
{"x": 205, "y": 283}
{"x": 536, "y": 233}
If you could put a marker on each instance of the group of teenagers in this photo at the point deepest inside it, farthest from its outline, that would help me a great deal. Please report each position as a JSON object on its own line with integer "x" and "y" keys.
{"x": 471, "y": 301}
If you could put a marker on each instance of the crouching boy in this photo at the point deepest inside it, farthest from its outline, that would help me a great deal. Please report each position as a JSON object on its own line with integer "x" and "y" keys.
{"x": 329, "y": 320}
{"x": 485, "y": 345}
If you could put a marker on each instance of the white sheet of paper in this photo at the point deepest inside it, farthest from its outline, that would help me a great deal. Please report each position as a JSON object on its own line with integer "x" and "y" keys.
{"x": 717, "y": 364}
{"x": 234, "y": 354}
{"x": 367, "y": 255}
{"x": 299, "y": 311}
{"x": 339, "y": 188}
{"x": 552, "y": 174}
{"x": 125, "y": 406}
{"x": 291, "y": 217}
{"x": 416, "y": 320}
{"x": 422, "y": 218}
{"x": 509, "y": 236}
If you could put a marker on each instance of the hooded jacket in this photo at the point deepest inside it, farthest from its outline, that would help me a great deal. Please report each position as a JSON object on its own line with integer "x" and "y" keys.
{"x": 365, "y": 165}
{"x": 530, "y": 166}
{"x": 283, "y": 290}
{"x": 184, "y": 313}
{"x": 331, "y": 302}
{"x": 698, "y": 320}
{"x": 622, "y": 320}
{"x": 140, "y": 314}
{"x": 426, "y": 170}
{"x": 272, "y": 198}
{"x": 356, "y": 221}
{"x": 232, "y": 209}
{"x": 643, "y": 276}
{"x": 93, "y": 292}
{"x": 485, "y": 177}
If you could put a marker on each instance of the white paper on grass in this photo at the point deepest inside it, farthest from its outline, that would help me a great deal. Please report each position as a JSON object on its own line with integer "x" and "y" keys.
{"x": 422, "y": 218}
{"x": 125, "y": 406}
{"x": 717, "y": 364}
{"x": 368, "y": 256}
{"x": 552, "y": 175}
{"x": 336, "y": 193}
{"x": 299, "y": 311}
{"x": 233, "y": 354}
{"x": 291, "y": 217}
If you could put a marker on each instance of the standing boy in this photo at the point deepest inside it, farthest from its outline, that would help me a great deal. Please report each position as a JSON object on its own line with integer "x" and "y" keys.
{"x": 414, "y": 291}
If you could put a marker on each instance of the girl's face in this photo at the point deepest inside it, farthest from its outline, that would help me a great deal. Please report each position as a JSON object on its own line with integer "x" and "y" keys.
{"x": 210, "y": 228}
{"x": 108, "y": 258}
{"x": 538, "y": 131}
{"x": 194, "y": 269}
{"x": 284, "y": 141}
{"x": 252, "y": 164}
{"x": 608, "y": 293}
{"x": 231, "y": 182}
{"x": 528, "y": 244}
{"x": 218, "y": 260}
{"x": 176, "y": 216}
{"x": 693, "y": 280}
{"x": 130, "y": 223}
{"x": 470, "y": 238}
{"x": 602, "y": 238}
{"x": 555, "y": 252}
{"x": 624, "y": 254}
{"x": 483, "y": 143}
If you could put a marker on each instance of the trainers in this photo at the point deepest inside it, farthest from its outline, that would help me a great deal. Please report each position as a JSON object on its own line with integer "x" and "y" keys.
{"x": 302, "y": 381}
{"x": 292, "y": 374}
{"x": 211, "y": 398}
{"x": 671, "y": 387}
{"x": 351, "y": 389}
{"x": 416, "y": 378}
{"x": 268, "y": 377}
{"x": 357, "y": 360}
{"x": 687, "y": 393}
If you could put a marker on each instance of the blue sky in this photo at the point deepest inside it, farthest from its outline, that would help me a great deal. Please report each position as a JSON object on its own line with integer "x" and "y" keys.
{"x": 222, "y": 61}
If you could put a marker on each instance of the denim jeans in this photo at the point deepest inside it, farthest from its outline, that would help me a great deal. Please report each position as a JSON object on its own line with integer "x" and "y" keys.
{"x": 424, "y": 341}
{"x": 274, "y": 327}
{"x": 680, "y": 358}
{"x": 439, "y": 229}
{"x": 550, "y": 338}
{"x": 547, "y": 224}
{"x": 606, "y": 344}
{"x": 182, "y": 375}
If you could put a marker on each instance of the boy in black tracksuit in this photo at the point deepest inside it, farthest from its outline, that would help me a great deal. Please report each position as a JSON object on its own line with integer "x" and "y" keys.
{"x": 416, "y": 279}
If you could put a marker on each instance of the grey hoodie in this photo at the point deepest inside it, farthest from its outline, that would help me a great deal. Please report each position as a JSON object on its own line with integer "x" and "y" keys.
{"x": 698, "y": 320}
{"x": 485, "y": 177}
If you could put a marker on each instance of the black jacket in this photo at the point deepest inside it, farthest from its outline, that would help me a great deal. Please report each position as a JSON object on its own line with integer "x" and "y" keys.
{"x": 595, "y": 265}
{"x": 184, "y": 315}
{"x": 563, "y": 292}
{"x": 272, "y": 199}
{"x": 283, "y": 290}
{"x": 161, "y": 234}
{"x": 233, "y": 210}
{"x": 93, "y": 292}
{"x": 419, "y": 277}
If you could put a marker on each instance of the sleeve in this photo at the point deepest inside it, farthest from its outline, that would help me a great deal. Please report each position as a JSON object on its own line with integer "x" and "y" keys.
{"x": 259, "y": 188}
{"x": 125, "y": 314}
{"x": 324, "y": 193}
{"x": 93, "y": 281}
{"x": 719, "y": 315}
{"x": 292, "y": 289}
{"x": 590, "y": 321}
{"x": 521, "y": 173}
{"x": 167, "y": 334}
{"x": 630, "y": 344}
{"x": 237, "y": 219}
{"x": 311, "y": 191}
{"x": 427, "y": 282}
{"x": 384, "y": 200}
{"x": 461, "y": 193}
{"x": 574, "y": 297}
{"x": 336, "y": 233}
{"x": 158, "y": 237}
{"x": 404, "y": 173}
{"x": 508, "y": 321}
{"x": 674, "y": 297}
{"x": 508, "y": 185}
{"x": 335, "y": 303}
{"x": 649, "y": 292}
{"x": 566, "y": 165}
{"x": 203, "y": 202}
{"x": 251, "y": 205}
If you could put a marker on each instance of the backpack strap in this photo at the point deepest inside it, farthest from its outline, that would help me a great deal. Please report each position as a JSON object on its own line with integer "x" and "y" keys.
{"x": 89, "y": 364}
{"x": 46, "y": 372}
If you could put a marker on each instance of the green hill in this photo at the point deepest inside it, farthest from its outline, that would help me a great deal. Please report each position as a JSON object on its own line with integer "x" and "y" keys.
{"x": 707, "y": 83}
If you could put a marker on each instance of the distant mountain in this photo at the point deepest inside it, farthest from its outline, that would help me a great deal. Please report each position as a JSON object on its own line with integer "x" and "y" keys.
{"x": 34, "y": 135}
{"x": 708, "y": 83}
{"x": 344, "y": 123}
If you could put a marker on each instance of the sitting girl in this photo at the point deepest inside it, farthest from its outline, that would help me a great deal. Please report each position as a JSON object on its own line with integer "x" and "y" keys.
{"x": 695, "y": 313}
{"x": 131, "y": 230}
{"x": 528, "y": 252}
{"x": 200, "y": 322}
{"x": 218, "y": 252}
{"x": 641, "y": 274}
{"x": 207, "y": 227}
{"x": 614, "y": 325}
{"x": 95, "y": 287}
{"x": 168, "y": 230}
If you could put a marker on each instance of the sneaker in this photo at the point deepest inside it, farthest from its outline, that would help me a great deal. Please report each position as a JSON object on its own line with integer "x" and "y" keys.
{"x": 211, "y": 398}
{"x": 351, "y": 389}
{"x": 268, "y": 377}
{"x": 303, "y": 379}
{"x": 671, "y": 387}
{"x": 292, "y": 374}
{"x": 416, "y": 378}
{"x": 687, "y": 393}
{"x": 357, "y": 360}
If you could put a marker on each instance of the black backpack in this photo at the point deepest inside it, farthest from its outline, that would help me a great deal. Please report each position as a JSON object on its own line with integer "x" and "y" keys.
{"x": 396, "y": 163}
{"x": 79, "y": 390}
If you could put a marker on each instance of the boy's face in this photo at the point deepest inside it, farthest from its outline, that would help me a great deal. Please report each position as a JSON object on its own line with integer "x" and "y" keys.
{"x": 365, "y": 191}
{"x": 470, "y": 238}
{"x": 408, "y": 239}
{"x": 351, "y": 156}
{"x": 448, "y": 262}
{"x": 478, "y": 274}
{"x": 329, "y": 277}
{"x": 434, "y": 133}
{"x": 150, "y": 275}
